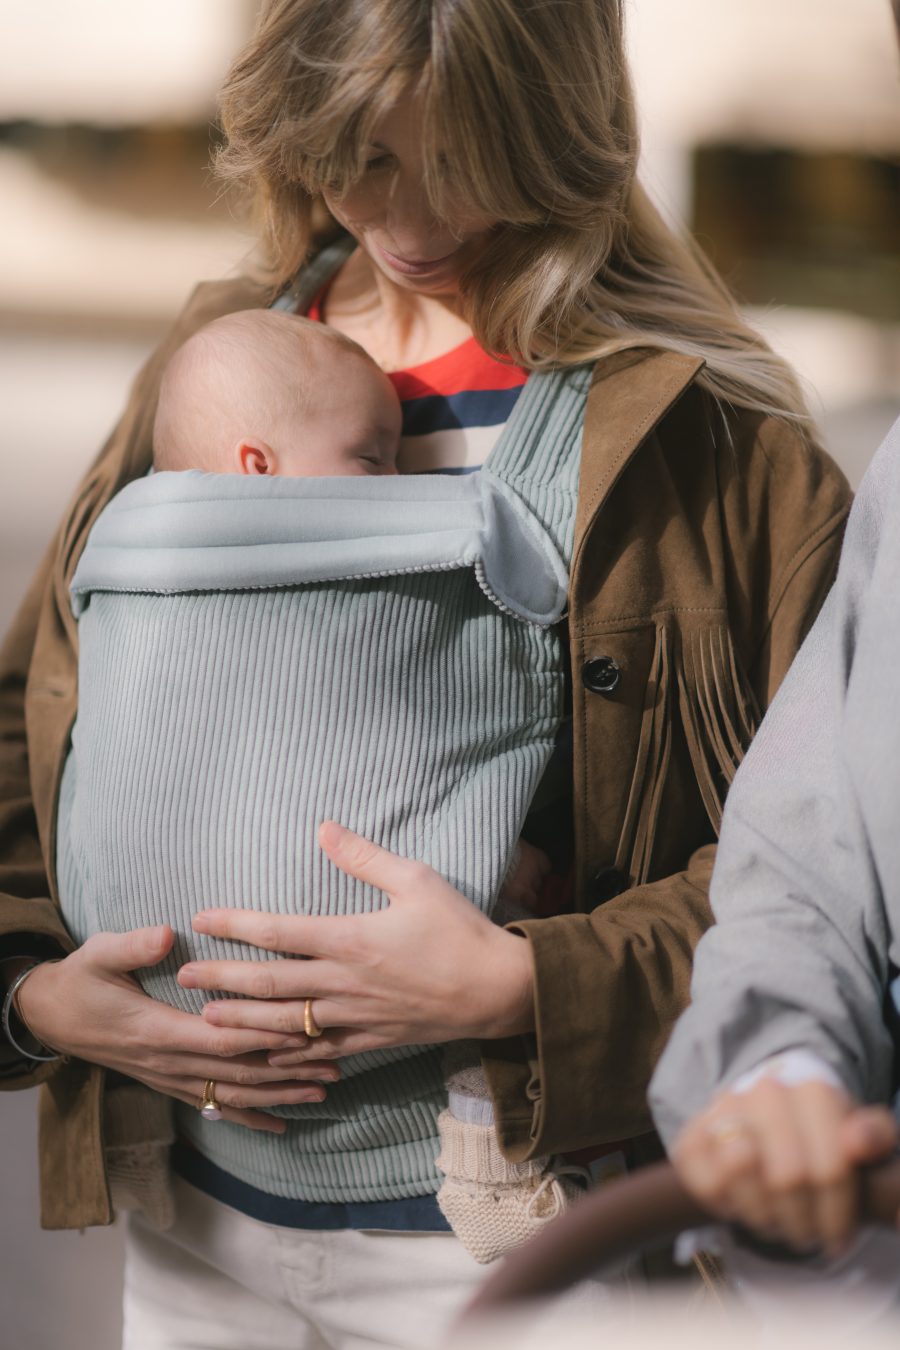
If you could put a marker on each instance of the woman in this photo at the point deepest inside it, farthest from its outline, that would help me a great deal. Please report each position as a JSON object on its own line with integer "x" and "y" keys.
{"x": 482, "y": 157}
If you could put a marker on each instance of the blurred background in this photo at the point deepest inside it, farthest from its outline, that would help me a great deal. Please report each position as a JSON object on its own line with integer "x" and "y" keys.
{"x": 771, "y": 129}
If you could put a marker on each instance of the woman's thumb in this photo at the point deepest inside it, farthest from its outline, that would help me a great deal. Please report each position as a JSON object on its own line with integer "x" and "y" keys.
{"x": 138, "y": 947}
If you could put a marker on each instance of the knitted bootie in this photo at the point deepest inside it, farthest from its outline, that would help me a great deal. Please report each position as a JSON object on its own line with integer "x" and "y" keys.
{"x": 493, "y": 1205}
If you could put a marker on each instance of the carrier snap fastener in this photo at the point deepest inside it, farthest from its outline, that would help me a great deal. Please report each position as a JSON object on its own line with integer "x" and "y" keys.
{"x": 601, "y": 675}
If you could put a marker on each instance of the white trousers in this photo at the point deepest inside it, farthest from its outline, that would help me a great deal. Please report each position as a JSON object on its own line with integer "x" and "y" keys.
{"x": 219, "y": 1280}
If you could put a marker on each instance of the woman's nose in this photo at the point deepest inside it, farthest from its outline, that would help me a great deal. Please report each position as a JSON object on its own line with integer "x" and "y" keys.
{"x": 413, "y": 226}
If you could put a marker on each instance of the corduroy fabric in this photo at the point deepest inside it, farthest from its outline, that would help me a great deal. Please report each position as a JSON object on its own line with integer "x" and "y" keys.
{"x": 218, "y": 727}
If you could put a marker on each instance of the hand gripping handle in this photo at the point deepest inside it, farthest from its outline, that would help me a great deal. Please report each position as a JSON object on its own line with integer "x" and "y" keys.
{"x": 623, "y": 1218}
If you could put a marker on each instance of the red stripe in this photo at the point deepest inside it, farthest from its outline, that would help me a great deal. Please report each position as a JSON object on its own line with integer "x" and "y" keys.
{"x": 466, "y": 367}
{"x": 315, "y": 310}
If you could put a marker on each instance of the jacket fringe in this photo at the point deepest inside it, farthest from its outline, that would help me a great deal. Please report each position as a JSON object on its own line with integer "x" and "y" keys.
{"x": 719, "y": 713}
{"x": 651, "y": 767}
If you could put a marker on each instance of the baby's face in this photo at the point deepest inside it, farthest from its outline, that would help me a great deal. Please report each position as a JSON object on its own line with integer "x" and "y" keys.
{"x": 351, "y": 426}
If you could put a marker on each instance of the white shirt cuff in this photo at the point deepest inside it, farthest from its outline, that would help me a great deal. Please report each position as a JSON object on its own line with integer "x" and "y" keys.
{"x": 790, "y": 1068}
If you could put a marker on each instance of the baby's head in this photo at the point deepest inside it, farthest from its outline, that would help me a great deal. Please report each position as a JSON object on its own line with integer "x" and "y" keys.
{"x": 262, "y": 391}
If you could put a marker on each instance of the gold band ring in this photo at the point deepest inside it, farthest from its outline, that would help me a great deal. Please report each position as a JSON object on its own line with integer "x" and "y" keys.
{"x": 209, "y": 1108}
{"x": 728, "y": 1128}
{"x": 310, "y": 1025}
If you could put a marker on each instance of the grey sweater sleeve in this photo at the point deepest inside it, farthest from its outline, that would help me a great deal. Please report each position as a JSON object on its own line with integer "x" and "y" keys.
{"x": 799, "y": 953}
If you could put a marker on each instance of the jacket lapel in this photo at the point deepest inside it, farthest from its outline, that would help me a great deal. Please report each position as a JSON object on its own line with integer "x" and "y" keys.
{"x": 630, "y": 394}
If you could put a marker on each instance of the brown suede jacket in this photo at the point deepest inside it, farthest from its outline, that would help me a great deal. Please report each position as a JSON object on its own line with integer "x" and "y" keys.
{"x": 704, "y": 545}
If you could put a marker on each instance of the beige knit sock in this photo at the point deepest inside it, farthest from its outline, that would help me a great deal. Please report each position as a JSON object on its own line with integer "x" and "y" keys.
{"x": 138, "y": 1126}
{"x": 491, "y": 1204}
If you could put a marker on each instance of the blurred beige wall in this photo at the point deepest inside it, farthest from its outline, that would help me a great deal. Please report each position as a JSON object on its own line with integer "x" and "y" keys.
{"x": 98, "y": 254}
{"x": 109, "y": 217}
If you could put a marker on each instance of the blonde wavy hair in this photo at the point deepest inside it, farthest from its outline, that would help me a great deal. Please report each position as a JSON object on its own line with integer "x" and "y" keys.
{"x": 529, "y": 117}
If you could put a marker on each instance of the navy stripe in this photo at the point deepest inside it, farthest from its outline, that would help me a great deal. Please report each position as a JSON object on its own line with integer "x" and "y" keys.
{"x": 418, "y": 1214}
{"x": 446, "y": 412}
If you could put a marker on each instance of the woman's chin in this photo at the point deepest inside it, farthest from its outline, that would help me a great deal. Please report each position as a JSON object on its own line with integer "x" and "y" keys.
{"x": 439, "y": 280}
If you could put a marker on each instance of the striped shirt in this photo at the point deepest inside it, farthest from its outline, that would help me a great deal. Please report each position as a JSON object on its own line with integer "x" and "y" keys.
{"x": 454, "y": 407}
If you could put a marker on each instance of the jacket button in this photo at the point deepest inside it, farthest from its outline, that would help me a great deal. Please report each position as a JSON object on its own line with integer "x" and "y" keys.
{"x": 601, "y": 675}
{"x": 606, "y": 884}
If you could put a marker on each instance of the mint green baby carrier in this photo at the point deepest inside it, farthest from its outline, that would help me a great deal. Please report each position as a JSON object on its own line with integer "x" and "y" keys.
{"x": 257, "y": 655}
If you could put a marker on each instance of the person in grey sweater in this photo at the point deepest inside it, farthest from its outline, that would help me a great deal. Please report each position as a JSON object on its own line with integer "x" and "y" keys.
{"x": 774, "y": 1085}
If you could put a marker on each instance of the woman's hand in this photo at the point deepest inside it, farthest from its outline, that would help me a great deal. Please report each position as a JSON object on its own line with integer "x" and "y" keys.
{"x": 89, "y": 1006}
{"x": 427, "y": 969}
{"x": 782, "y": 1160}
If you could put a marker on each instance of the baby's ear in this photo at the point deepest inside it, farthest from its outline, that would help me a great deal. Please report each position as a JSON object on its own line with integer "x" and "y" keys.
{"x": 254, "y": 457}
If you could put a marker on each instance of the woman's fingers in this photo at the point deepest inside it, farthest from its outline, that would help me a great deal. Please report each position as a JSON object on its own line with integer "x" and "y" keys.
{"x": 284, "y": 1016}
{"x": 253, "y": 1117}
{"x": 428, "y": 968}
{"x": 291, "y": 934}
{"x": 252, "y": 1070}
{"x": 252, "y": 1120}
{"x": 287, "y": 1015}
{"x": 170, "y": 1029}
{"x": 334, "y": 1045}
{"x": 339, "y": 1036}
{"x": 257, "y": 1096}
{"x": 322, "y": 935}
{"x": 110, "y": 1021}
{"x": 263, "y": 979}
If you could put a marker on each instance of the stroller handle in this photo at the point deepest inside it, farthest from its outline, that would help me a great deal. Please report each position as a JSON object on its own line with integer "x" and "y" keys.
{"x": 623, "y": 1218}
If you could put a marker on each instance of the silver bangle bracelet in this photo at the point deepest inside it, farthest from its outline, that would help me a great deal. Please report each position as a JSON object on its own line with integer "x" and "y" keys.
{"x": 9, "y": 1011}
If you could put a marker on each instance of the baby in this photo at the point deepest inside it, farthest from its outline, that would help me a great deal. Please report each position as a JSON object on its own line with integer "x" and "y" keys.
{"x": 263, "y": 392}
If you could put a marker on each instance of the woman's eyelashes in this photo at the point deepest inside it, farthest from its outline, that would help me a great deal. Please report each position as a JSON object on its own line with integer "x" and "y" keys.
{"x": 380, "y": 162}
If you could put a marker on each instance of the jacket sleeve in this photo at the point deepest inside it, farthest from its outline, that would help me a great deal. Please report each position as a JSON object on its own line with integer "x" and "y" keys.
{"x": 610, "y": 985}
{"x": 31, "y": 925}
{"x": 578, "y": 1082}
{"x": 798, "y": 958}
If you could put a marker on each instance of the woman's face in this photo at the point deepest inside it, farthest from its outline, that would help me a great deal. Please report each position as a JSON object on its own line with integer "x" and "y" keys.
{"x": 388, "y": 213}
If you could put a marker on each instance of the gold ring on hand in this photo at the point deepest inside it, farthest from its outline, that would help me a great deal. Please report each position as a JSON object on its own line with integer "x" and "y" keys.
{"x": 209, "y": 1108}
{"x": 310, "y": 1025}
{"x": 728, "y": 1128}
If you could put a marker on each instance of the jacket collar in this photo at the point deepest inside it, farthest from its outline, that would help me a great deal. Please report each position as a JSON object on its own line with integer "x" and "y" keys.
{"x": 630, "y": 394}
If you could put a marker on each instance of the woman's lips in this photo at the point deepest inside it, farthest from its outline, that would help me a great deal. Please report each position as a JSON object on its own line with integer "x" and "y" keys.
{"x": 419, "y": 267}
